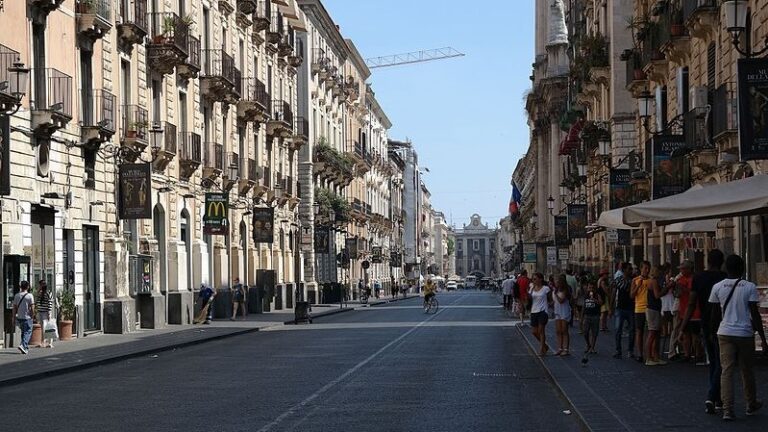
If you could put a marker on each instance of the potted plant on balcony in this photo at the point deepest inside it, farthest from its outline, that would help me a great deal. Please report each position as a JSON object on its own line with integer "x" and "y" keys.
{"x": 169, "y": 27}
{"x": 66, "y": 298}
{"x": 135, "y": 127}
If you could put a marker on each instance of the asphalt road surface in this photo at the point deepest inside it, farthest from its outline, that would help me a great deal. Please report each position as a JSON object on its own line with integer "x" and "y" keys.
{"x": 385, "y": 368}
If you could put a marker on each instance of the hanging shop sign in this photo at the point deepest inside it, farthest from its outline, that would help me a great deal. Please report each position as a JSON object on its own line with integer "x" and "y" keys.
{"x": 620, "y": 189}
{"x": 135, "y": 191}
{"x": 395, "y": 259}
{"x": 577, "y": 221}
{"x": 322, "y": 240}
{"x": 350, "y": 243}
{"x": 529, "y": 253}
{"x": 611, "y": 235}
{"x": 561, "y": 231}
{"x": 264, "y": 225}
{"x": 551, "y": 255}
{"x": 752, "y": 115}
{"x": 376, "y": 254}
{"x": 671, "y": 175}
{"x": 215, "y": 220}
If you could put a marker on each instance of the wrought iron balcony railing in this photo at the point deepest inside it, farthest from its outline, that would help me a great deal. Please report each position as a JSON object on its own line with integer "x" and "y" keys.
{"x": 281, "y": 111}
{"x": 725, "y": 110}
{"x": 190, "y": 147}
{"x": 98, "y": 109}
{"x": 135, "y": 122}
{"x": 53, "y": 91}
{"x": 167, "y": 28}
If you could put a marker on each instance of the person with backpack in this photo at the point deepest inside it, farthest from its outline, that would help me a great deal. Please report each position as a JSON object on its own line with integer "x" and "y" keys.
{"x": 623, "y": 308}
{"x": 24, "y": 310}
{"x": 736, "y": 301}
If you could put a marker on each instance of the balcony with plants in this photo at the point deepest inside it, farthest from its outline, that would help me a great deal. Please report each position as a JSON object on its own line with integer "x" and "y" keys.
{"x": 168, "y": 45}
{"x": 328, "y": 202}
{"x": 135, "y": 131}
{"x": 94, "y": 18}
{"x": 674, "y": 41}
{"x": 591, "y": 62}
{"x": 133, "y": 25}
{"x": 332, "y": 165}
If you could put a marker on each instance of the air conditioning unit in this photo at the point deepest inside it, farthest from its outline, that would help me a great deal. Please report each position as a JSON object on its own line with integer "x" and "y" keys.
{"x": 698, "y": 97}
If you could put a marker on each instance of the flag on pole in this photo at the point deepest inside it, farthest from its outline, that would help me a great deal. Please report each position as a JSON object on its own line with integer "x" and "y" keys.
{"x": 514, "y": 202}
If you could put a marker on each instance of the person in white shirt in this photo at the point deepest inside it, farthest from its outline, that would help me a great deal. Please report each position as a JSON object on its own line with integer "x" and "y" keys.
{"x": 736, "y": 301}
{"x": 541, "y": 296}
{"x": 506, "y": 291}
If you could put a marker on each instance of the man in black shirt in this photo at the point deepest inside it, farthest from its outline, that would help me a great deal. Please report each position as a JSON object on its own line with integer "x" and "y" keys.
{"x": 623, "y": 308}
{"x": 701, "y": 288}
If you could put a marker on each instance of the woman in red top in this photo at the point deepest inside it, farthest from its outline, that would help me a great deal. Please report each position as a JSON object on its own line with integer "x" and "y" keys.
{"x": 523, "y": 285}
{"x": 690, "y": 334}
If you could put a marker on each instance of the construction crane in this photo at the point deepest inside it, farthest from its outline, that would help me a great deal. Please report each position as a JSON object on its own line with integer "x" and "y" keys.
{"x": 413, "y": 57}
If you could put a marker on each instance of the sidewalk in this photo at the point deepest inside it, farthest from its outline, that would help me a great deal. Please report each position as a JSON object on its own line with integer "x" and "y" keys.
{"x": 99, "y": 349}
{"x": 623, "y": 395}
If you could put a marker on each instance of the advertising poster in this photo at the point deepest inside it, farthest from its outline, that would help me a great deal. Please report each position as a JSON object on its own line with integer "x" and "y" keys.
{"x": 753, "y": 108}
{"x": 322, "y": 240}
{"x": 671, "y": 175}
{"x": 215, "y": 220}
{"x": 577, "y": 221}
{"x": 561, "y": 231}
{"x": 376, "y": 254}
{"x": 135, "y": 191}
{"x": 395, "y": 259}
{"x": 621, "y": 191}
{"x": 529, "y": 253}
{"x": 264, "y": 225}
{"x": 552, "y": 255}
{"x": 350, "y": 243}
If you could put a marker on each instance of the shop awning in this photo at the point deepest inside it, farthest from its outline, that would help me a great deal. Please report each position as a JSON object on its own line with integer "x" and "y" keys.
{"x": 613, "y": 219}
{"x": 694, "y": 226}
{"x": 735, "y": 198}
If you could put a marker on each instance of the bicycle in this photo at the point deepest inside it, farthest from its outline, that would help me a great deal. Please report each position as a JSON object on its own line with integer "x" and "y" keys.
{"x": 431, "y": 305}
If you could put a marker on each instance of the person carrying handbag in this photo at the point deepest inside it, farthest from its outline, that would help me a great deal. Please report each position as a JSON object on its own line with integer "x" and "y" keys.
{"x": 736, "y": 300}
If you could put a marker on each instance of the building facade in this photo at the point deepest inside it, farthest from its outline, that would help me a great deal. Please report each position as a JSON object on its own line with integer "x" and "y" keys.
{"x": 476, "y": 249}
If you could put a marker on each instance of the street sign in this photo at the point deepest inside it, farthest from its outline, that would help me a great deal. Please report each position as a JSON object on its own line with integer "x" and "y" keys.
{"x": 563, "y": 254}
{"x": 529, "y": 253}
{"x": 612, "y": 235}
{"x": 551, "y": 255}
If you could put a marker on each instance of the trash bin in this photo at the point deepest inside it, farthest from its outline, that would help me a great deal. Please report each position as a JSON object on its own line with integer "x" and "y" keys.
{"x": 302, "y": 312}
{"x": 254, "y": 300}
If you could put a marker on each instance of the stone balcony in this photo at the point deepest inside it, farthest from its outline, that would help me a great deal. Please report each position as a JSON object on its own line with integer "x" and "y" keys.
{"x": 94, "y": 18}
{"x": 132, "y": 26}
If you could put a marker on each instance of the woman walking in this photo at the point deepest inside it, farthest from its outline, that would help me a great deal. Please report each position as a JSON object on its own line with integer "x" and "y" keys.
{"x": 593, "y": 301}
{"x": 44, "y": 307}
{"x": 563, "y": 314}
{"x": 656, "y": 290}
{"x": 541, "y": 296}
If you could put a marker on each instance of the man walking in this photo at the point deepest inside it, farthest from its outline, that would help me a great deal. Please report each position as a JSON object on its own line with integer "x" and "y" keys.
{"x": 24, "y": 310}
{"x": 702, "y": 289}
{"x": 623, "y": 308}
{"x": 736, "y": 300}
{"x": 506, "y": 291}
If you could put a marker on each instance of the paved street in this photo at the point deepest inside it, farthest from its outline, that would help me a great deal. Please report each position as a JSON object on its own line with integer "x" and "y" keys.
{"x": 381, "y": 368}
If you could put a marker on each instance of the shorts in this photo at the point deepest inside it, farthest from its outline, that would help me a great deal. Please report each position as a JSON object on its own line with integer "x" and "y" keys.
{"x": 693, "y": 327}
{"x": 539, "y": 319}
{"x": 592, "y": 323}
{"x": 653, "y": 319}
{"x": 640, "y": 320}
{"x": 604, "y": 308}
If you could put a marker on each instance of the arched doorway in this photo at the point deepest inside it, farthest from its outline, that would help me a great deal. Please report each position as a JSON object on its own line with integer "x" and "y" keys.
{"x": 158, "y": 219}
{"x": 185, "y": 235}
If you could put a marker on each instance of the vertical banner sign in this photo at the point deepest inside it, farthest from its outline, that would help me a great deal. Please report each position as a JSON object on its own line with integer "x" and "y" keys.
{"x": 350, "y": 243}
{"x": 621, "y": 191}
{"x": 395, "y": 259}
{"x": 552, "y": 255}
{"x": 753, "y": 108}
{"x": 263, "y": 225}
{"x": 135, "y": 191}
{"x": 529, "y": 253}
{"x": 577, "y": 221}
{"x": 215, "y": 221}
{"x": 5, "y": 154}
{"x": 376, "y": 254}
{"x": 561, "y": 231}
{"x": 671, "y": 176}
{"x": 322, "y": 240}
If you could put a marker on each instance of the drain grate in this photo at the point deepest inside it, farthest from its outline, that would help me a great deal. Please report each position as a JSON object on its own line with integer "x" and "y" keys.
{"x": 494, "y": 375}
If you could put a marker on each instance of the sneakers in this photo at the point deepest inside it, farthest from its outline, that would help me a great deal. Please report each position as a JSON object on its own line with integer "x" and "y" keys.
{"x": 651, "y": 363}
{"x": 727, "y": 416}
{"x": 752, "y": 409}
{"x": 23, "y": 350}
{"x": 709, "y": 407}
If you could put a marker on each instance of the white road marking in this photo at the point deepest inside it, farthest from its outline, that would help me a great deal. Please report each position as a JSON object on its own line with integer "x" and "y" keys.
{"x": 375, "y": 308}
{"x": 339, "y": 326}
{"x": 296, "y": 408}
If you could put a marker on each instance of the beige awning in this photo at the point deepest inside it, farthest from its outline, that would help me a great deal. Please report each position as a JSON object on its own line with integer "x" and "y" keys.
{"x": 735, "y": 198}
{"x": 613, "y": 219}
{"x": 694, "y": 226}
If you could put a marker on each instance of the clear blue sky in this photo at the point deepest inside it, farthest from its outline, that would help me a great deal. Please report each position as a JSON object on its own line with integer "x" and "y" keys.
{"x": 466, "y": 115}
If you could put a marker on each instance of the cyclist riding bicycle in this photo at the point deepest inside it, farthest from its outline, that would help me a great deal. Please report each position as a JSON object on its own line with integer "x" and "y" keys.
{"x": 429, "y": 291}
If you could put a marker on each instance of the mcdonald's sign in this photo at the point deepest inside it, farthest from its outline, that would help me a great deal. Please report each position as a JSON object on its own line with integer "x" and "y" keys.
{"x": 216, "y": 219}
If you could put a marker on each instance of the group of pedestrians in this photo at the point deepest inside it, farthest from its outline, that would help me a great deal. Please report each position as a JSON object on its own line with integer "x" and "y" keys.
{"x": 27, "y": 311}
{"x": 707, "y": 318}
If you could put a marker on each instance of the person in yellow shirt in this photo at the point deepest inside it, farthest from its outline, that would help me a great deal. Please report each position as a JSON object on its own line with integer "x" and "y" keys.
{"x": 429, "y": 291}
{"x": 639, "y": 292}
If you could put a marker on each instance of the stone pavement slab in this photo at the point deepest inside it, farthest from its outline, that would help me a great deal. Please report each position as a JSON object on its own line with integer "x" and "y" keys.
{"x": 623, "y": 395}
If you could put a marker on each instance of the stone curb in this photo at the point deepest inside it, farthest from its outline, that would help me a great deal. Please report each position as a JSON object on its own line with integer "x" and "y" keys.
{"x": 551, "y": 379}
{"x": 325, "y": 314}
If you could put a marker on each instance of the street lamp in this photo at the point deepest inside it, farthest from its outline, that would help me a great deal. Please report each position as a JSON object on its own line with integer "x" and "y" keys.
{"x": 550, "y": 204}
{"x": 316, "y": 208}
{"x": 738, "y": 22}
{"x": 18, "y": 76}
{"x": 604, "y": 146}
{"x": 645, "y": 105}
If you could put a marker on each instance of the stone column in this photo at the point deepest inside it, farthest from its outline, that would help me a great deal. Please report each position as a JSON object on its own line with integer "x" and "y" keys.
{"x": 180, "y": 302}
{"x": 119, "y": 307}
